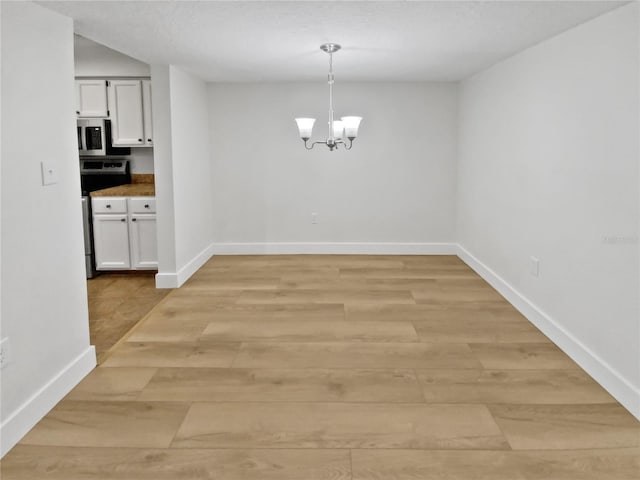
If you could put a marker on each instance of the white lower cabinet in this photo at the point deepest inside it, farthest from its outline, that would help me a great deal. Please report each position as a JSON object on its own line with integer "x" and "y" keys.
{"x": 125, "y": 240}
{"x": 143, "y": 242}
{"x": 111, "y": 240}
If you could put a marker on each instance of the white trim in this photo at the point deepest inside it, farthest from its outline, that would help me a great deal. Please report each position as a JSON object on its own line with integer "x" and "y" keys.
{"x": 167, "y": 280}
{"x": 336, "y": 248}
{"x": 40, "y": 403}
{"x": 617, "y": 385}
{"x": 175, "y": 280}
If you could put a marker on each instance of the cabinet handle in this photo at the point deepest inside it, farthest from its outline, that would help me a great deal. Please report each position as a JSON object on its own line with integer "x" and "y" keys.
{"x": 148, "y": 139}
{"x": 146, "y": 206}
{"x": 108, "y": 206}
{"x": 139, "y": 139}
{"x": 77, "y": 112}
{"x": 133, "y": 219}
{"x": 123, "y": 220}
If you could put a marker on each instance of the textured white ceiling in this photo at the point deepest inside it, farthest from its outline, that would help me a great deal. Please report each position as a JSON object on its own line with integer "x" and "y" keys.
{"x": 278, "y": 41}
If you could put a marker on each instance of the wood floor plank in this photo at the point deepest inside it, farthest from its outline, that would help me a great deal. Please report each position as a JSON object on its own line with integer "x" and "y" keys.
{"x": 349, "y": 285}
{"x": 600, "y": 464}
{"x": 75, "y": 423}
{"x": 380, "y": 464}
{"x": 605, "y": 464}
{"x": 282, "y": 385}
{"x": 112, "y": 384}
{"x": 326, "y": 296}
{"x": 59, "y": 463}
{"x": 338, "y": 425}
{"x": 511, "y": 386}
{"x": 159, "y": 327}
{"x": 309, "y": 331}
{"x": 376, "y": 272}
{"x": 455, "y": 296}
{"x": 528, "y": 356}
{"x": 412, "y": 313}
{"x": 174, "y": 354}
{"x": 212, "y": 282}
{"x": 477, "y": 330}
{"x": 291, "y": 272}
{"x": 200, "y": 309}
{"x": 432, "y": 260}
{"x": 566, "y": 427}
{"x": 355, "y": 355}
{"x": 269, "y": 312}
{"x": 184, "y": 297}
{"x": 274, "y": 262}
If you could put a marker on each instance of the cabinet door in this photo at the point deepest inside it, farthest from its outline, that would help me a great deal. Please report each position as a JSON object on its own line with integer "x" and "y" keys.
{"x": 91, "y": 98}
{"x": 125, "y": 103}
{"x": 144, "y": 242}
{"x": 111, "y": 241}
{"x": 147, "y": 112}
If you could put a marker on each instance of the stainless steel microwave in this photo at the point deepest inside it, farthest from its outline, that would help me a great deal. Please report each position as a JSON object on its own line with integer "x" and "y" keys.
{"x": 94, "y": 139}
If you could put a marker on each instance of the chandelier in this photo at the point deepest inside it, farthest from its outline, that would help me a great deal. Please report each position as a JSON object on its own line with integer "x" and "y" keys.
{"x": 346, "y": 127}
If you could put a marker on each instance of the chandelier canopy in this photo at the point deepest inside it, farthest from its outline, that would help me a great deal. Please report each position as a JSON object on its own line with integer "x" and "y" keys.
{"x": 339, "y": 130}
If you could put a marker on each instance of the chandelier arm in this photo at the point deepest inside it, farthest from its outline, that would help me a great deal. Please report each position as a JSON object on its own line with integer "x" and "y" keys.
{"x": 347, "y": 147}
{"x": 306, "y": 145}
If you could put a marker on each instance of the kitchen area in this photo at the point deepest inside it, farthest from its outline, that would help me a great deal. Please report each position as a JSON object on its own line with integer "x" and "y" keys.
{"x": 115, "y": 144}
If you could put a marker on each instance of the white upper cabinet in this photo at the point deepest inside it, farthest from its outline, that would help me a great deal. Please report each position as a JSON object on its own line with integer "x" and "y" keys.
{"x": 147, "y": 112}
{"x": 127, "y": 123}
{"x": 91, "y": 99}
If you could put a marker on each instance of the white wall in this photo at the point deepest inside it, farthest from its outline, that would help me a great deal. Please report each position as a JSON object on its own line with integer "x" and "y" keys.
{"x": 183, "y": 178}
{"x": 548, "y": 167}
{"x": 161, "y": 101}
{"x": 95, "y": 60}
{"x": 44, "y": 296}
{"x": 397, "y": 184}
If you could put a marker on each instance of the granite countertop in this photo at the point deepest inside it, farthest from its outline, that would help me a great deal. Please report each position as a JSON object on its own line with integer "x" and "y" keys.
{"x": 142, "y": 185}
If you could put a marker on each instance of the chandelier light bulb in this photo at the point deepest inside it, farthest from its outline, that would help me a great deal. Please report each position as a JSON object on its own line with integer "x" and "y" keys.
{"x": 305, "y": 127}
{"x": 338, "y": 129}
{"x": 351, "y": 125}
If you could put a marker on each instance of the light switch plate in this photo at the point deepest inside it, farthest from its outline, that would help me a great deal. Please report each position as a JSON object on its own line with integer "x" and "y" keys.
{"x": 4, "y": 352}
{"x": 49, "y": 172}
{"x": 534, "y": 266}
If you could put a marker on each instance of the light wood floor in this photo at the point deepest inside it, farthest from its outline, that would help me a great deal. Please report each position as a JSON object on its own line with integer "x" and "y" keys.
{"x": 333, "y": 367}
{"x": 117, "y": 301}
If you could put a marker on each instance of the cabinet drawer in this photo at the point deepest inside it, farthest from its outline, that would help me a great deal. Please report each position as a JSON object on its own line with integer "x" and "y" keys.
{"x": 142, "y": 205}
{"x": 109, "y": 205}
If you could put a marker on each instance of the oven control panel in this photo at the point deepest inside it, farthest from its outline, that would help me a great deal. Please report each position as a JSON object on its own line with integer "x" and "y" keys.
{"x": 97, "y": 167}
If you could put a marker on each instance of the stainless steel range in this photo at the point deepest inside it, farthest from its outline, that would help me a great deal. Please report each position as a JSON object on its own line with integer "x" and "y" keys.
{"x": 96, "y": 175}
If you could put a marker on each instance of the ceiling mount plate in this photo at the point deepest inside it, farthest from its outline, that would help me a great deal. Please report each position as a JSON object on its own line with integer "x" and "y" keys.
{"x": 330, "y": 47}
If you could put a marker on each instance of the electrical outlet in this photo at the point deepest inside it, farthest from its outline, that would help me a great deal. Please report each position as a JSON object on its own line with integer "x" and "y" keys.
{"x": 314, "y": 218}
{"x": 534, "y": 266}
{"x": 4, "y": 352}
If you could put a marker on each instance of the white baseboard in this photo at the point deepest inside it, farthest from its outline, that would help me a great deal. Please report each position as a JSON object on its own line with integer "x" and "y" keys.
{"x": 618, "y": 386}
{"x": 175, "y": 280}
{"x": 335, "y": 248}
{"x": 31, "y": 412}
